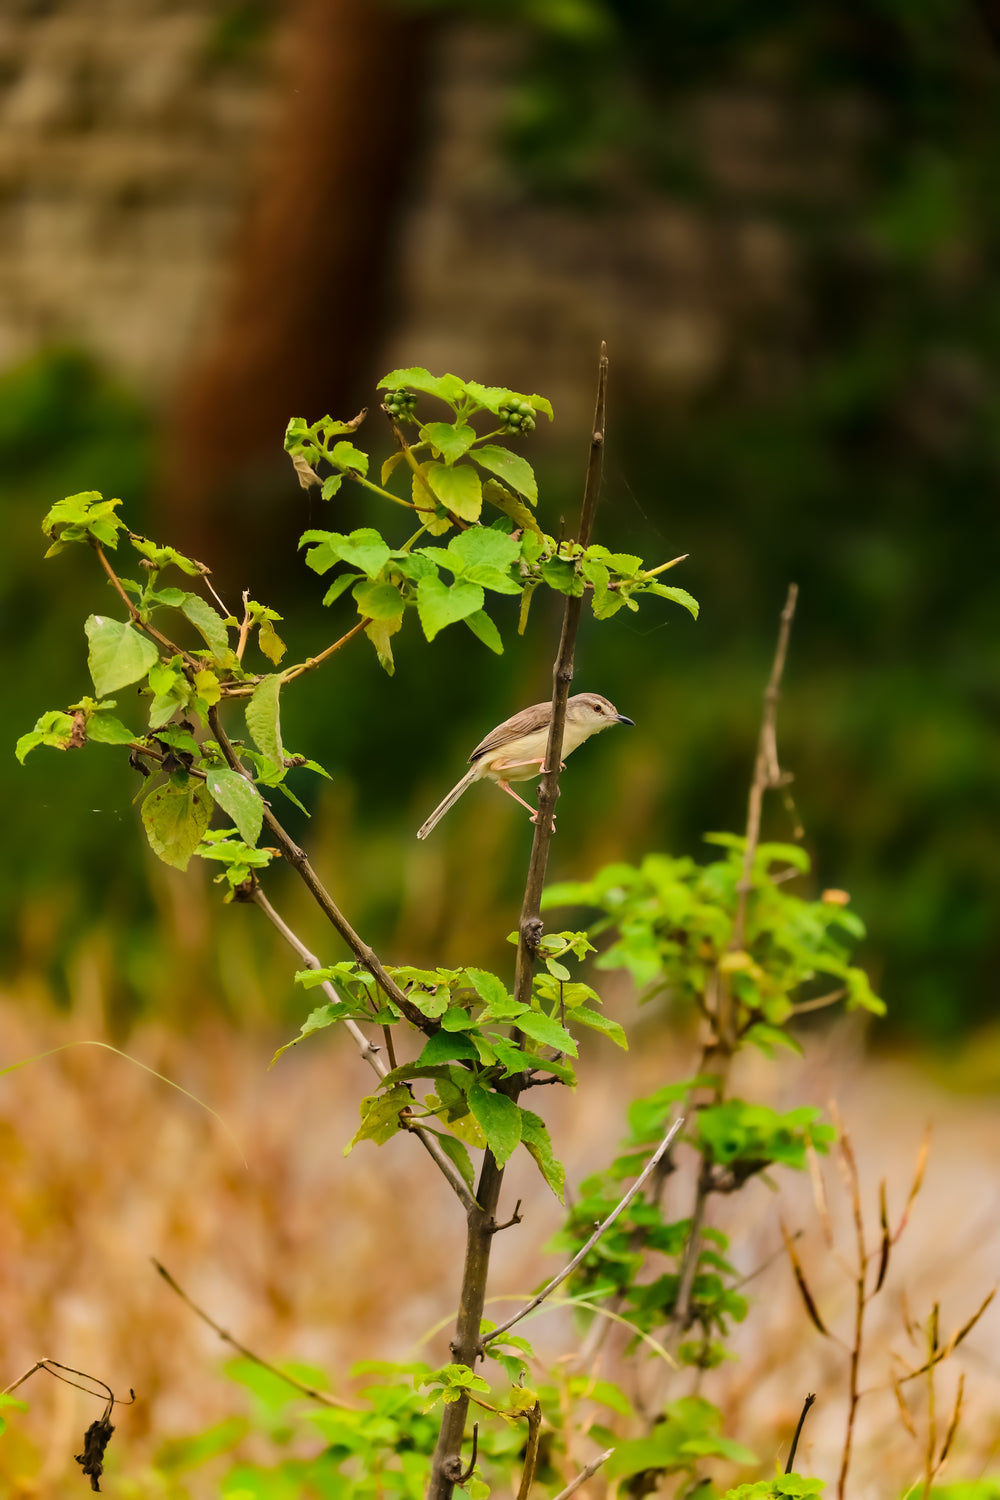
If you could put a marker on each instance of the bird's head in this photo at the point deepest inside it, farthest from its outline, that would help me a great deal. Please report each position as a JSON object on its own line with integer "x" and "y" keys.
{"x": 589, "y": 713}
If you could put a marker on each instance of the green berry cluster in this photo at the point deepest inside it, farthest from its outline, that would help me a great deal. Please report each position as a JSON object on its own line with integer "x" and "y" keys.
{"x": 517, "y": 416}
{"x": 400, "y": 404}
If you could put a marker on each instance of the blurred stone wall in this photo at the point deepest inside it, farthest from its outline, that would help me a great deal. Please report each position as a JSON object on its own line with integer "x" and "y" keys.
{"x": 128, "y": 137}
{"x": 132, "y": 133}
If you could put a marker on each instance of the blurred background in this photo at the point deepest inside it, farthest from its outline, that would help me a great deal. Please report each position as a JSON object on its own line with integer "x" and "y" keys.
{"x": 785, "y": 222}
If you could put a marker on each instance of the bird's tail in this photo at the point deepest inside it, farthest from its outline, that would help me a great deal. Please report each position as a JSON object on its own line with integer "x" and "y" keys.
{"x": 471, "y": 775}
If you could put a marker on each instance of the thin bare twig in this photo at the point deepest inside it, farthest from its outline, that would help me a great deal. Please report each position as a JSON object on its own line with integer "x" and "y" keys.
{"x": 300, "y": 862}
{"x": 53, "y": 1366}
{"x": 717, "y": 1054}
{"x": 369, "y": 1050}
{"x": 585, "y": 1474}
{"x": 227, "y": 1338}
{"x": 598, "y": 1233}
{"x": 798, "y": 1431}
{"x": 150, "y": 630}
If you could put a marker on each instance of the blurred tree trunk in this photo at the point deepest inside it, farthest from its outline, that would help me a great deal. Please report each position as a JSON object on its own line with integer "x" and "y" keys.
{"x": 309, "y": 283}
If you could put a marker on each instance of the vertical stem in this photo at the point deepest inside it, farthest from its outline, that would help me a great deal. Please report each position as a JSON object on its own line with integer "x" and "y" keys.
{"x": 466, "y": 1347}
{"x": 530, "y": 925}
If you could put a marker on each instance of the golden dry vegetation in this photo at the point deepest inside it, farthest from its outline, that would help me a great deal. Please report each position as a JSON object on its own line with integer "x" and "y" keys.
{"x": 305, "y": 1254}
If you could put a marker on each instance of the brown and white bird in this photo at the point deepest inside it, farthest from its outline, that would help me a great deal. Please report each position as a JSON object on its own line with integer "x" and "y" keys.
{"x": 515, "y": 750}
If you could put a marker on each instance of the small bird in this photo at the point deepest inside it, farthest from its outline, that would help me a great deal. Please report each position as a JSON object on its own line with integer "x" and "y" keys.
{"x": 515, "y": 750}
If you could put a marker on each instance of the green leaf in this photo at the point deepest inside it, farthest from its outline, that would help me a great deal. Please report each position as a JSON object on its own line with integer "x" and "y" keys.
{"x": 118, "y": 654}
{"x": 379, "y": 601}
{"x": 561, "y": 574}
{"x": 447, "y": 1046}
{"x": 438, "y": 605}
{"x": 54, "y": 728}
{"x": 263, "y": 719}
{"x": 510, "y": 467}
{"x": 270, "y": 641}
{"x": 162, "y": 557}
{"x": 240, "y": 799}
{"x": 365, "y": 549}
{"x": 175, "y": 818}
{"x": 547, "y": 1030}
{"x": 489, "y": 987}
{"x": 380, "y": 632}
{"x": 453, "y": 1148}
{"x": 500, "y": 1120}
{"x": 679, "y": 596}
{"x": 598, "y": 1021}
{"x": 208, "y": 622}
{"x": 458, "y": 487}
{"x": 104, "y": 729}
{"x": 447, "y": 388}
{"x": 536, "y": 1139}
{"x": 380, "y": 1116}
{"x": 485, "y": 630}
{"x": 448, "y": 439}
{"x": 482, "y": 545}
{"x": 318, "y": 1020}
{"x": 79, "y": 517}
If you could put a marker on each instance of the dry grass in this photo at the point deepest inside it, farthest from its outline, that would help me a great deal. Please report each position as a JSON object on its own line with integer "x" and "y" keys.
{"x": 305, "y": 1254}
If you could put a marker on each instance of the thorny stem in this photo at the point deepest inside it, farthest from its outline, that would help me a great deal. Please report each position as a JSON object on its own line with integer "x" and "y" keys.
{"x": 467, "y": 1346}
{"x": 369, "y": 1050}
{"x": 717, "y": 1054}
{"x": 300, "y": 862}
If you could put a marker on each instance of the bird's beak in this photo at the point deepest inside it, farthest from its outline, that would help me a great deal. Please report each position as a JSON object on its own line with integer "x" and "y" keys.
{"x": 622, "y": 720}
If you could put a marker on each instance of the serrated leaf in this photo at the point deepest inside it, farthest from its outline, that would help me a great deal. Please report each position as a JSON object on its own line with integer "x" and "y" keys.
{"x": 679, "y": 596}
{"x": 240, "y": 799}
{"x": 54, "y": 728}
{"x": 380, "y": 633}
{"x": 483, "y": 629}
{"x": 536, "y": 1139}
{"x": 380, "y": 1116}
{"x": 379, "y": 601}
{"x": 598, "y": 1021}
{"x": 448, "y": 439}
{"x": 318, "y": 1020}
{"x": 489, "y": 987}
{"x": 263, "y": 719}
{"x": 481, "y": 546}
{"x": 547, "y": 1030}
{"x": 175, "y": 818}
{"x": 447, "y": 388}
{"x": 105, "y": 729}
{"x": 499, "y": 1119}
{"x": 507, "y": 502}
{"x": 208, "y": 623}
{"x": 438, "y": 605}
{"x": 456, "y": 486}
{"x": 447, "y": 1046}
{"x": 510, "y": 467}
{"x": 365, "y": 549}
{"x": 118, "y": 654}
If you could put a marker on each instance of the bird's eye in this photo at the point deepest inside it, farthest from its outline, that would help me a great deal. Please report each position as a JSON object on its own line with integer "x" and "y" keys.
{"x": 598, "y": 708}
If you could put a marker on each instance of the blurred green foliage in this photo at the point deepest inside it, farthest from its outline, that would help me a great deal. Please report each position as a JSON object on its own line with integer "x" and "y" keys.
{"x": 848, "y": 440}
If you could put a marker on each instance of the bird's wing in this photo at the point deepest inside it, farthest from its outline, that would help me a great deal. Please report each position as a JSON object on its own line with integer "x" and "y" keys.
{"x": 528, "y": 721}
